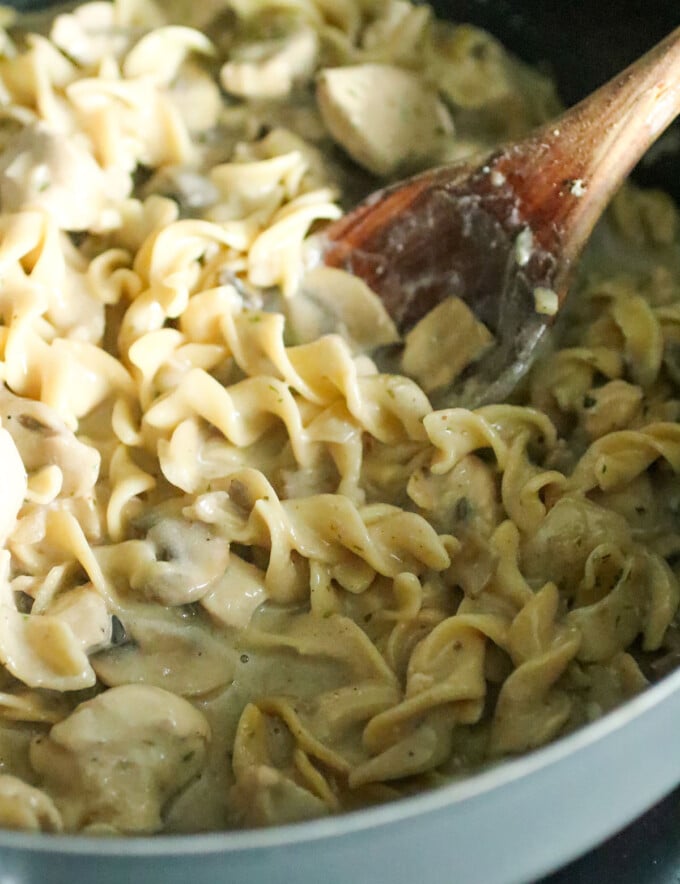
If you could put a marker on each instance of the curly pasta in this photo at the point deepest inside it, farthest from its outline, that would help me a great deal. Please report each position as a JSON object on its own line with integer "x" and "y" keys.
{"x": 234, "y": 550}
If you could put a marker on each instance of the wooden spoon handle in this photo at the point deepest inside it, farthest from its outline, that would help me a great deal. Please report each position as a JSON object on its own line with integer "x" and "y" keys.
{"x": 571, "y": 168}
{"x": 451, "y": 230}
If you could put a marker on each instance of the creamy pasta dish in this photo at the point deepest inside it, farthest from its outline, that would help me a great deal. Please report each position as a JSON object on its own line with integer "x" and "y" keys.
{"x": 246, "y": 578}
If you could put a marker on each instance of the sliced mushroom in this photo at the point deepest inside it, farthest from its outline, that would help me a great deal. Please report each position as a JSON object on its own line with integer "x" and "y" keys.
{"x": 13, "y": 483}
{"x": 178, "y": 561}
{"x": 24, "y": 807}
{"x": 42, "y": 438}
{"x": 119, "y": 758}
{"x": 171, "y": 648}
{"x": 270, "y": 68}
{"x": 386, "y": 118}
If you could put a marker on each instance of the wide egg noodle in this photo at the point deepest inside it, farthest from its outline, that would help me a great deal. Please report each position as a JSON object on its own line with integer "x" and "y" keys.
{"x": 247, "y": 578}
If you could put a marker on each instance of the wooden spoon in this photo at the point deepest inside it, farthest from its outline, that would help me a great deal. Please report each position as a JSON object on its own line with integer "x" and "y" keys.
{"x": 454, "y": 230}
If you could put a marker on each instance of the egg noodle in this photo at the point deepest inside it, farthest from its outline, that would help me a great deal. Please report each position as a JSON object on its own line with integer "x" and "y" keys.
{"x": 246, "y": 578}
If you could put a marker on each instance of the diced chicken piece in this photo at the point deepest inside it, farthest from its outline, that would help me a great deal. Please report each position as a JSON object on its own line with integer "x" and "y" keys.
{"x": 25, "y": 808}
{"x": 13, "y": 482}
{"x": 332, "y": 300}
{"x": 42, "y": 438}
{"x": 270, "y": 68}
{"x": 119, "y": 758}
{"x": 450, "y": 330}
{"x": 60, "y": 176}
{"x": 387, "y": 119}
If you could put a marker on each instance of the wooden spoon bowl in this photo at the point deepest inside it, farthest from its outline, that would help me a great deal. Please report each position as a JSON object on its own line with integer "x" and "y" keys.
{"x": 504, "y": 232}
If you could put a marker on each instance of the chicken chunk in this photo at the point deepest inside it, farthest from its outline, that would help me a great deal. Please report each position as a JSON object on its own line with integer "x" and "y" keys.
{"x": 119, "y": 758}
{"x": 387, "y": 119}
{"x": 451, "y": 328}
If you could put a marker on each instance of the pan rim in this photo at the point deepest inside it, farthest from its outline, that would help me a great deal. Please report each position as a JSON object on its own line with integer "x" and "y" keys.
{"x": 450, "y": 795}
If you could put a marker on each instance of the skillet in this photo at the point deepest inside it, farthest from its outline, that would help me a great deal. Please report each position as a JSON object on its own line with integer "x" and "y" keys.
{"x": 523, "y": 818}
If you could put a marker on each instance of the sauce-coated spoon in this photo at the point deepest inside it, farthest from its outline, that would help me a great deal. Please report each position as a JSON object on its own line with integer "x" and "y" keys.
{"x": 504, "y": 233}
